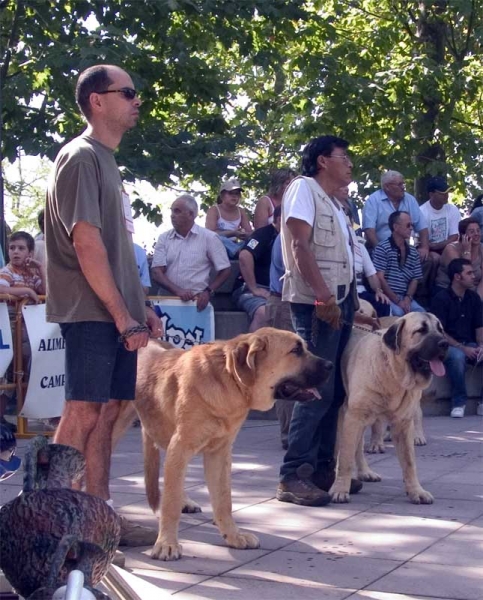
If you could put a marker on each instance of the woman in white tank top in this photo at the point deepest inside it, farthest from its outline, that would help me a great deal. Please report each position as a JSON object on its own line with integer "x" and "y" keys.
{"x": 227, "y": 219}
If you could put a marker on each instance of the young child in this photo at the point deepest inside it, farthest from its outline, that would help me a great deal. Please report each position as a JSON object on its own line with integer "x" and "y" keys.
{"x": 22, "y": 277}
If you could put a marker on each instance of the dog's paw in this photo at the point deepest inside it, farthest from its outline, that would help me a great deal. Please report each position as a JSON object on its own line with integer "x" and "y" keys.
{"x": 338, "y": 495}
{"x": 420, "y": 496}
{"x": 420, "y": 440}
{"x": 243, "y": 541}
{"x": 368, "y": 476}
{"x": 376, "y": 448}
{"x": 190, "y": 506}
{"x": 164, "y": 551}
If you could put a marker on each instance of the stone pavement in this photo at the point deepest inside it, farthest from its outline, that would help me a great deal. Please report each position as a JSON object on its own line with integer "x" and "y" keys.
{"x": 378, "y": 547}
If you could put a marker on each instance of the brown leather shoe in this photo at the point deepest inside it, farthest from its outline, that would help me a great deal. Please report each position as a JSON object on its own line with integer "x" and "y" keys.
{"x": 134, "y": 535}
{"x": 302, "y": 492}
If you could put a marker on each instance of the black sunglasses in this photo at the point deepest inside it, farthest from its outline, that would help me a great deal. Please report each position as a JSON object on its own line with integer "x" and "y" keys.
{"x": 127, "y": 92}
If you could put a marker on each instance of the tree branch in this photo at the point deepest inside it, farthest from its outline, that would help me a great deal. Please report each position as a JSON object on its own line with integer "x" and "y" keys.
{"x": 11, "y": 41}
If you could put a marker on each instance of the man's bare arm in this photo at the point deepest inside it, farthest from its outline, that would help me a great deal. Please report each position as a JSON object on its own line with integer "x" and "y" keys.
{"x": 94, "y": 263}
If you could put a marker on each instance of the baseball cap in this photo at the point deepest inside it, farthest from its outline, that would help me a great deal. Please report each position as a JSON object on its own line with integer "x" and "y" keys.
{"x": 231, "y": 184}
{"x": 438, "y": 184}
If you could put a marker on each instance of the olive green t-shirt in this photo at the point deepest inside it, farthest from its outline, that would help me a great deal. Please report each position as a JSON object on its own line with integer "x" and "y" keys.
{"x": 85, "y": 185}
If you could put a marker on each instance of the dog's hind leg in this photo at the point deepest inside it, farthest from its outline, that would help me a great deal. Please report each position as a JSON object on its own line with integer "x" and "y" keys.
{"x": 364, "y": 472}
{"x": 419, "y": 438}
{"x": 218, "y": 478}
{"x": 190, "y": 506}
{"x": 376, "y": 443}
{"x": 403, "y": 435}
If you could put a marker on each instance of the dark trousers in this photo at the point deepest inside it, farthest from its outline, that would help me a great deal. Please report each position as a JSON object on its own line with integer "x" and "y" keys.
{"x": 313, "y": 428}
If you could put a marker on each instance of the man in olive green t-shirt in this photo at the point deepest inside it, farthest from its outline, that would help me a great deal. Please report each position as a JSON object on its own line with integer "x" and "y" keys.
{"x": 93, "y": 287}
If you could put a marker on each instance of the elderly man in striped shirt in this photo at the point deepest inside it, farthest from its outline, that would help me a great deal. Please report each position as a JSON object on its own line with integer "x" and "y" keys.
{"x": 398, "y": 265}
{"x": 185, "y": 256}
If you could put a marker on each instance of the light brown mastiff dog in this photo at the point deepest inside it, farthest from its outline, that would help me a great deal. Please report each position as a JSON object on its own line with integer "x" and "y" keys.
{"x": 384, "y": 376}
{"x": 195, "y": 401}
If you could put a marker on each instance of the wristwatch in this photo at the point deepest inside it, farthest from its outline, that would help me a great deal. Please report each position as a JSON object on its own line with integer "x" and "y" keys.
{"x": 209, "y": 290}
{"x": 149, "y": 304}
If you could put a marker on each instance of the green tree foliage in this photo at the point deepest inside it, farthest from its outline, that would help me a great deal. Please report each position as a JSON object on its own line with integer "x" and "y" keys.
{"x": 239, "y": 86}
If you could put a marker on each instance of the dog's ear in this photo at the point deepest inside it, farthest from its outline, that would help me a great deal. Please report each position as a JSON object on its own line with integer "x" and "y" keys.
{"x": 392, "y": 337}
{"x": 241, "y": 361}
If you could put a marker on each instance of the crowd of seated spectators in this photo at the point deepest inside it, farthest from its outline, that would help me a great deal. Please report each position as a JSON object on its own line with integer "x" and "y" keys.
{"x": 402, "y": 249}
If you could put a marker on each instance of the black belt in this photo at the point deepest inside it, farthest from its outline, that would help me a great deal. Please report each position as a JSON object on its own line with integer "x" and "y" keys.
{"x": 276, "y": 294}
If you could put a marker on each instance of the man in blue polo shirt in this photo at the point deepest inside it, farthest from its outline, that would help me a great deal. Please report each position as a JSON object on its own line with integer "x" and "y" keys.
{"x": 390, "y": 198}
{"x": 398, "y": 265}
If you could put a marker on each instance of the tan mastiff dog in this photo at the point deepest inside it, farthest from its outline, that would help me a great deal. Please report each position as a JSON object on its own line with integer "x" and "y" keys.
{"x": 195, "y": 401}
{"x": 384, "y": 376}
{"x": 380, "y": 432}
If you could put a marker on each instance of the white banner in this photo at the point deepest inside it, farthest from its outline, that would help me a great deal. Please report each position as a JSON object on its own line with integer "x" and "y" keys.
{"x": 6, "y": 346}
{"x": 45, "y": 393}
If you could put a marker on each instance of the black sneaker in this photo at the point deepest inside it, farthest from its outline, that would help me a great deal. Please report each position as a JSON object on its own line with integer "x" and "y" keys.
{"x": 301, "y": 491}
{"x": 325, "y": 479}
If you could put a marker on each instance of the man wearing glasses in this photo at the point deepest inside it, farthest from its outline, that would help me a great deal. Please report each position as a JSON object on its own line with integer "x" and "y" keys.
{"x": 319, "y": 283}
{"x": 391, "y": 197}
{"x": 93, "y": 286}
{"x": 398, "y": 265}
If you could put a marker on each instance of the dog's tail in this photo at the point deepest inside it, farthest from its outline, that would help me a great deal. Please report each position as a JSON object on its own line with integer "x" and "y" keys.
{"x": 127, "y": 415}
{"x": 151, "y": 471}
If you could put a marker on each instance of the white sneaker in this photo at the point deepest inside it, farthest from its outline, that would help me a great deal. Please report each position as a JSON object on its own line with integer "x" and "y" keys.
{"x": 458, "y": 412}
{"x": 479, "y": 409}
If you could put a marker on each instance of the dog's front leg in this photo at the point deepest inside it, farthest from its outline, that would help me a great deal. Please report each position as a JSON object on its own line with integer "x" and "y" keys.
{"x": 403, "y": 436}
{"x": 175, "y": 464}
{"x": 217, "y": 466}
{"x": 352, "y": 430}
{"x": 419, "y": 438}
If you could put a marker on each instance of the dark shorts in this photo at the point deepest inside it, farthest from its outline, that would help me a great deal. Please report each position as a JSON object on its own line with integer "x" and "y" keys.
{"x": 97, "y": 366}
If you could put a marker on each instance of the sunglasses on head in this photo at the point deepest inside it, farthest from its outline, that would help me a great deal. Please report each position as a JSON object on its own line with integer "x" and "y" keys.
{"x": 128, "y": 93}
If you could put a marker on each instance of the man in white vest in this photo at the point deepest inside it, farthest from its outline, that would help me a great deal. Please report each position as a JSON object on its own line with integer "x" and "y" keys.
{"x": 319, "y": 284}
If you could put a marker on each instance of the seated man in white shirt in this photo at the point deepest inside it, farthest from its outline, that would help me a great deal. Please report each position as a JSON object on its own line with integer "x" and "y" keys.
{"x": 185, "y": 255}
{"x": 442, "y": 219}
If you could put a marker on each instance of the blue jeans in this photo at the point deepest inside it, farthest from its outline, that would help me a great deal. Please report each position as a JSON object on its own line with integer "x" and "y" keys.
{"x": 396, "y": 311}
{"x": 232, "y": 247}
{"x": 313, "y": 429}
{"x": 455, "y": 363}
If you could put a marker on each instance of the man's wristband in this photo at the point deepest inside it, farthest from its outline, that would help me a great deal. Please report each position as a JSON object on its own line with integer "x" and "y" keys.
{"x": 408, "y": 296}
{"x": 321, "y": 302}
{"x": 209, "y": 290}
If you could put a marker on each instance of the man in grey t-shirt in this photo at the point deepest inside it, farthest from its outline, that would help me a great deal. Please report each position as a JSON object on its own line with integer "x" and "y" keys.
{"x": 93, "y": 287}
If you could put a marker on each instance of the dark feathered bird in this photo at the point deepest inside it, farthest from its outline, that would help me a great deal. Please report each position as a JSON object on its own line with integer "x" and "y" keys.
{"x": 50, "y": 530}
